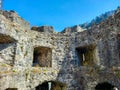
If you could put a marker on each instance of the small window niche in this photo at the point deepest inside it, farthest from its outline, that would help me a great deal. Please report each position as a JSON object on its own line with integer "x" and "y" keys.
{"x": 42, "y": 57}
{"x": 87, "y": 55}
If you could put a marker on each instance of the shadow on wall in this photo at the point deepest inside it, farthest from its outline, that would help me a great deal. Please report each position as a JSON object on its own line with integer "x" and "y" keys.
{"x": 5, "y": 46}
{"x": 5, "y": 39}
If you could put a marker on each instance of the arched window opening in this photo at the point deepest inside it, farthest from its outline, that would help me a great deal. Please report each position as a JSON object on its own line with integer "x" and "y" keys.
{"x": 104, "y": 86}
{"x": 51, "y": 85}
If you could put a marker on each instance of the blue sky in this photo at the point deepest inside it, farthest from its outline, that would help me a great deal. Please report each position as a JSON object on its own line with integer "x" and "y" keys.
{"x": 60, "y": 13}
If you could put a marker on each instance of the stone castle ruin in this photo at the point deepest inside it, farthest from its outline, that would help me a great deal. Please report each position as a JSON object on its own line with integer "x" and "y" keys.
{"x": 74, "y": 59}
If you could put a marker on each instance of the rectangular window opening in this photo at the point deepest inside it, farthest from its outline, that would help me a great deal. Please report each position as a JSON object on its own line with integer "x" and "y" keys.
{"x": 42, "y": 57}
{"x": 86, "y": 55}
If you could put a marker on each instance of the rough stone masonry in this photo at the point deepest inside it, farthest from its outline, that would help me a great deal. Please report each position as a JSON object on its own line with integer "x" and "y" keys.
{"x": 74, "y": 59}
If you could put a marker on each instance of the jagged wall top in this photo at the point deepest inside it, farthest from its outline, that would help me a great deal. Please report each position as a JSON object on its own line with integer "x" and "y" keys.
{"x": 14, "y": 17}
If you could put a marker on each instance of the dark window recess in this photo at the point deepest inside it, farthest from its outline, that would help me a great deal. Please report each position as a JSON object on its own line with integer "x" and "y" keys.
{"x": 51, "y": 86}
{"x": 104, "y": 86}
{"x": 86, "y": 55}
{"x": 42, "y": 57}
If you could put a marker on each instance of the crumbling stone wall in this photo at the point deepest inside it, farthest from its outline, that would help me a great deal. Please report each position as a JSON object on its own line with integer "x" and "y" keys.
{"x": 18, "y": 47}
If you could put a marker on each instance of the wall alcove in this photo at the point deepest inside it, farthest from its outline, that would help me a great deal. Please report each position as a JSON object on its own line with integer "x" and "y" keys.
{"x": 87, "y": 55}
{"x": 42, "y": 57}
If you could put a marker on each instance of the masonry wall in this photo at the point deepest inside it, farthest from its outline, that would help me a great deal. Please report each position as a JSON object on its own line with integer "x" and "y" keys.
{"x": 17, "y": 54}
{"x": 106, "y": 38}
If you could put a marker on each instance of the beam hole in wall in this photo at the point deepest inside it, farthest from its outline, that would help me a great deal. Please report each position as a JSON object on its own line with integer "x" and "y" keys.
{"x": 104, "y": 86}
{"x": 11, "y": 89}
{"x": 87, "y": 55}
{"x": 42, "y": 57}
{"x": 51, "y": 85}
